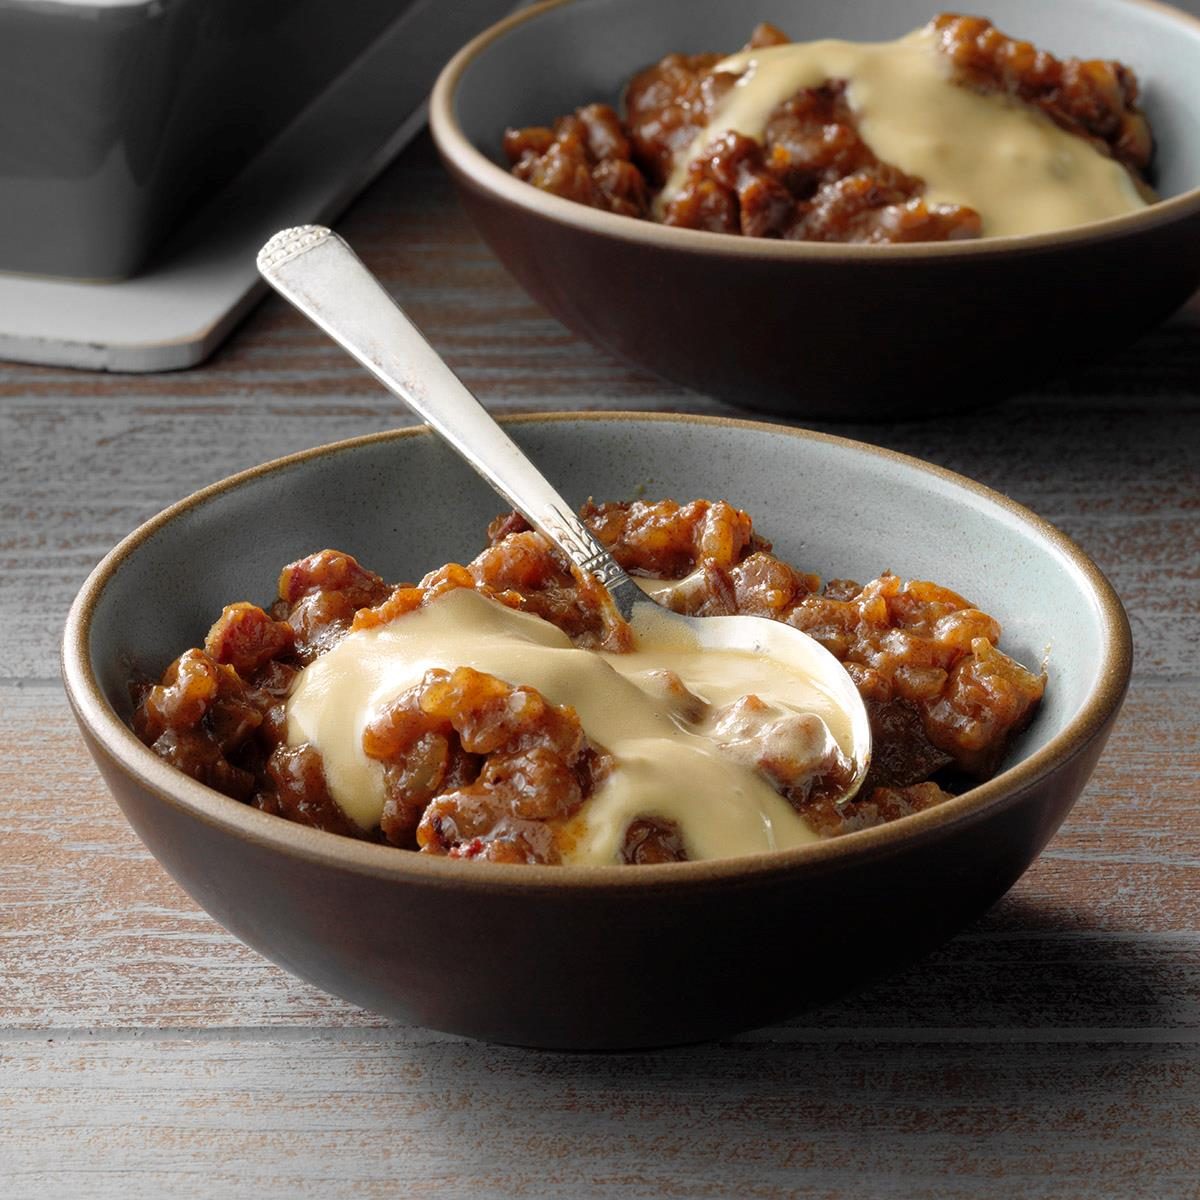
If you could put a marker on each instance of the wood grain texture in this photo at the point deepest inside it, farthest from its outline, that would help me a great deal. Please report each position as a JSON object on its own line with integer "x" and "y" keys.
{"x": 380, "y": 1115}
{"x": 1051, "y": 1050}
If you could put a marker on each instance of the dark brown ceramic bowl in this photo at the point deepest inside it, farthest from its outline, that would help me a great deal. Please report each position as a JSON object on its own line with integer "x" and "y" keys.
{"x": 611, "y": 956}
{"x": 835, "y": 332}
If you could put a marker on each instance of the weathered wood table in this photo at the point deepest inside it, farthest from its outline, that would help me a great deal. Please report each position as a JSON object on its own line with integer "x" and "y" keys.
{"x": 1052, "y": 1050}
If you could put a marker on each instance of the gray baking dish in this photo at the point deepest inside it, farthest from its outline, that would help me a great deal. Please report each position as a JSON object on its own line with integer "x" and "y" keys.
{"x": 119, "y": 116}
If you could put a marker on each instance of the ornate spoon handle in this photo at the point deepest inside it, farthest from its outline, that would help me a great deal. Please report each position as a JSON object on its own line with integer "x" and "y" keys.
{"x": 314, "y": 269}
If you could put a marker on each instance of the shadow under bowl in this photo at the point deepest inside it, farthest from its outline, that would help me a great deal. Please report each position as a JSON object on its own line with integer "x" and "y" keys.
{"x": 598, "y": 958}
{"x": 835, "y": 332}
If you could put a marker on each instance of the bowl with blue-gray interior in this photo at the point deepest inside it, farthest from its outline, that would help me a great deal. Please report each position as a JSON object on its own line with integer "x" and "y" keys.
{"x": 600, "y": 957}
{"x": 812, "y": 329}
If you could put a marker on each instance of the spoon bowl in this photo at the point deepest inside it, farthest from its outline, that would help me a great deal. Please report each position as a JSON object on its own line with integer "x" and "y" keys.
{"x": 315, "y": 270}
{"x": 761, "y": 637}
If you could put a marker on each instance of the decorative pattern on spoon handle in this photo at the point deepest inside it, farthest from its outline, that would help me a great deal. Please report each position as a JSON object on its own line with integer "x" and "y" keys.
{"x": 287, "y": 243}
{"x": 578, "y": 541}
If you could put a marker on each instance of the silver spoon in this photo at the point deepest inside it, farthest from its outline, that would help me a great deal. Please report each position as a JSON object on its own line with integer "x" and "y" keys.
{"x": 314, "y": 269}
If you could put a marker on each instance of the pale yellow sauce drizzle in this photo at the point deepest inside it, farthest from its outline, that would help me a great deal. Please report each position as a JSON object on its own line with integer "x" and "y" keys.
{"x": 1008, "y": 161}
{"x": 723, "y": 807}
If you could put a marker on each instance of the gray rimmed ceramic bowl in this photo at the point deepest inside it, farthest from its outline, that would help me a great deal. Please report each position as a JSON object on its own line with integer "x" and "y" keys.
{"x": 835, "y": 332}
{"x": 600, "y": 957}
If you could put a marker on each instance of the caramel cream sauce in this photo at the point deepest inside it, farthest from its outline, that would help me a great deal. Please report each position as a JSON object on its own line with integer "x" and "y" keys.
{"x": 1008, "y": 161}
{"x": 664, "y": 765}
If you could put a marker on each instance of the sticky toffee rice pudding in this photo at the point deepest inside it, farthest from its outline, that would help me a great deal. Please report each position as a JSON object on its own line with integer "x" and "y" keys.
{"x": 502, "y": 710}
{"x": 955, "y": 131}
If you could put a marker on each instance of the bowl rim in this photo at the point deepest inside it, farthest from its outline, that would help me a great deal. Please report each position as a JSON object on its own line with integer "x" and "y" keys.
{"x": 476, "y": 170}
{"x": 111, "y": 737}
